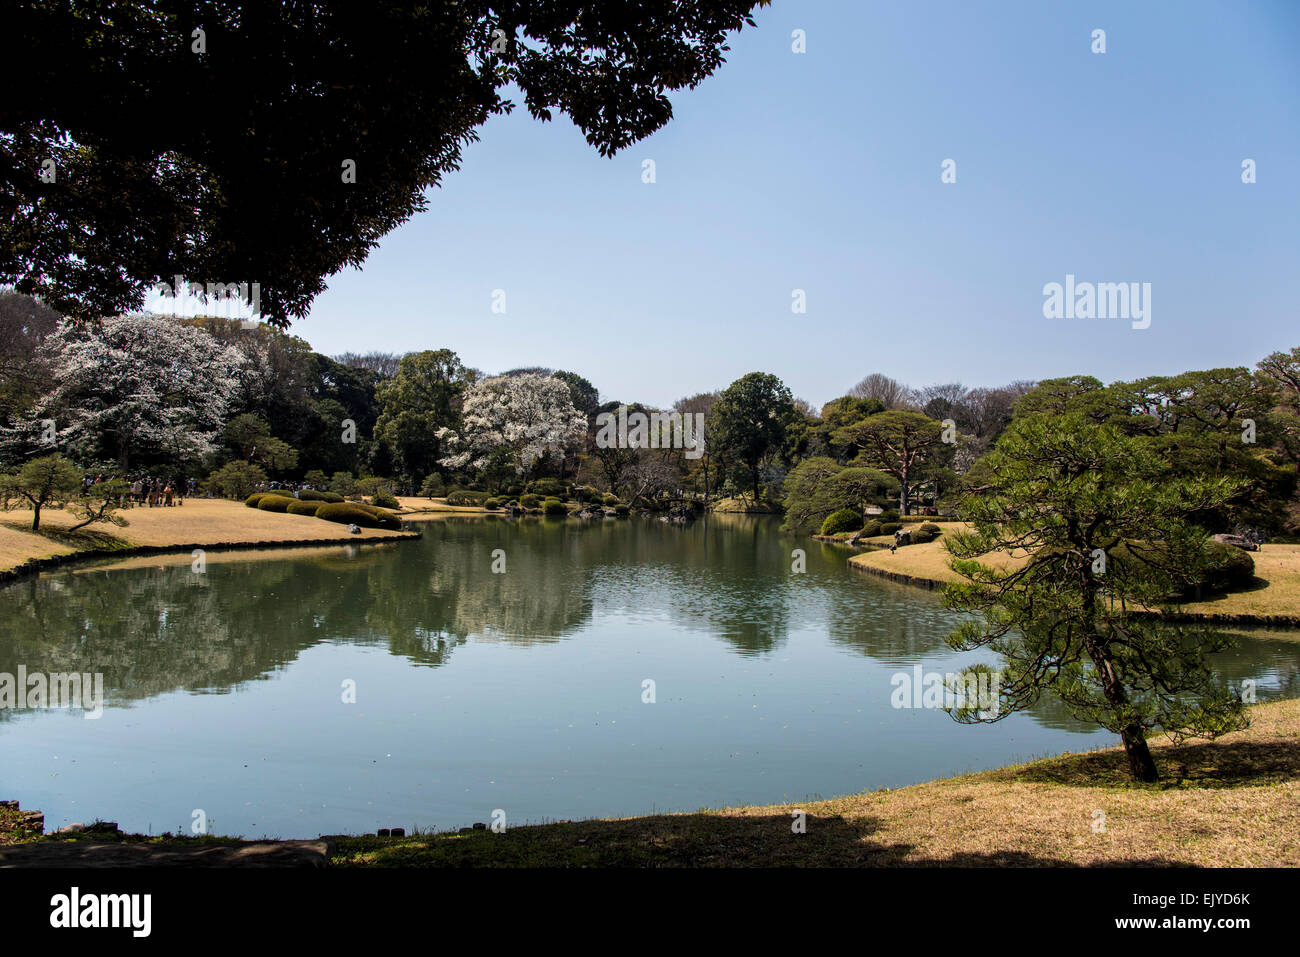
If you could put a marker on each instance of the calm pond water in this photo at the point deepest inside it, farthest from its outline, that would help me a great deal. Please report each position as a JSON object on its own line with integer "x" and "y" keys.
{"x": 476, "y": 691}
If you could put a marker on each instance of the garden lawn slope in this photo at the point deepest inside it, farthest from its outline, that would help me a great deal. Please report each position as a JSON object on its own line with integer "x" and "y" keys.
{"x": 200, "y": 522}
{"x": 1276, "y": 596}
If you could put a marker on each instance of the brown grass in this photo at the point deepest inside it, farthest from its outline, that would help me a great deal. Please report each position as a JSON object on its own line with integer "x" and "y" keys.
{"x": 1276, "y": 595}
{"x": 18, "y": 547}
{"x": 202, "y": 522}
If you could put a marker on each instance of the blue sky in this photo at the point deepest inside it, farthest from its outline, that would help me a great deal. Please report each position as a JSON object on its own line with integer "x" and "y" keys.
{"x": 821, "y": 171}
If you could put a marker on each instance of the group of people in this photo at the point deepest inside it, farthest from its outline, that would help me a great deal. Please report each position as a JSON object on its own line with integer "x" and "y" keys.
{"x": 157, "y": 491}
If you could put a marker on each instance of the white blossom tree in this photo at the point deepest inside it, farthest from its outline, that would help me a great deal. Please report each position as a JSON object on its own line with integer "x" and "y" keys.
{"x": 529, "y": 415}
{"x": 137, "y": 385}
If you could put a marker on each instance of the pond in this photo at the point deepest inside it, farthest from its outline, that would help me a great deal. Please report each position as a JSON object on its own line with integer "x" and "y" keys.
{"x": 602, "y": 669}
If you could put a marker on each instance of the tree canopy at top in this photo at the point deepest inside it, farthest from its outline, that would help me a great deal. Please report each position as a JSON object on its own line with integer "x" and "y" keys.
{"x": 209, "y": 139}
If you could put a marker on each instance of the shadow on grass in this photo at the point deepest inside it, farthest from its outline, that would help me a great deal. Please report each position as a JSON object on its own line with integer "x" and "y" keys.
{"x": 679, "y": 840}
{"x": 1198, "y": 765}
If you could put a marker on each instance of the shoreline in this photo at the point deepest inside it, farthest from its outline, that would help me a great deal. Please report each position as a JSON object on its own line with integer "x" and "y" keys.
{"x": 1041, "y": 813}
{"x": 213, "y": 525}
{"x": 908, "y": 566}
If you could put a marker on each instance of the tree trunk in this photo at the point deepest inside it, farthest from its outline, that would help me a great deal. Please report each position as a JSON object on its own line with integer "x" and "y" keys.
{"x": 36, "y": 516}
{"x": 1140, "y": 762}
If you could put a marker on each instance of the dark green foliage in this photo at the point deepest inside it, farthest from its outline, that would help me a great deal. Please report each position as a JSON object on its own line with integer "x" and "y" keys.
{"x": 926, "y": 532}
{"x": 842, "y": 520}
{"x": 235, "y": 480}
{"x": 275, "y": 503}
{"x": 1227, "y": 568}
{"x": 383, "y": 498}
{"x": 889, "y": 528}
{"x": 354, "y": 513}
{"x": 622, "y": 510}
{"x": 553, "y": 506}
{"x": 311, "y": 495}
{"x": 256, "y": 497}
{"x": 748, "y": 423}
{"x": 1109, "y": 522}
{"x": 398, "y": 87}
{"x": 301, "y": 507}
{"x": 529, "y": 500}
{"x": 433, "y": 486}
{"x": 818, "y": 486}
{"x": 547, "y": 488}
{"x": 492, "y": 504}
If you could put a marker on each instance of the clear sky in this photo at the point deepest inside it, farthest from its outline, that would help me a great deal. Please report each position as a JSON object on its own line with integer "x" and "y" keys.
{"x": 821, "y": 171}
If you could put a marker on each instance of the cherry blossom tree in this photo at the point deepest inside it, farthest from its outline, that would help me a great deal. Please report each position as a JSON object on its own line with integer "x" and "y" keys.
{"x": 530, "y": 416}
{"x": 139, "y": 385}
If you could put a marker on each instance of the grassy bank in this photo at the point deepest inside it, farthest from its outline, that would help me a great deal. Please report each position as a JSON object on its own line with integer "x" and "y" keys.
{"x": 199, "y": 523}
{"x": 1275, "y": 598}
{"x": 1233, "y": 803}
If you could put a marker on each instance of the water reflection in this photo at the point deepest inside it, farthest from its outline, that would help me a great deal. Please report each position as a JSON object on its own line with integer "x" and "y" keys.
{"x": 153, "y": 627}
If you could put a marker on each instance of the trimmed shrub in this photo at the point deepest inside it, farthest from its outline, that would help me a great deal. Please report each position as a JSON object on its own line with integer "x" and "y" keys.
{"x": 871, "y": 529}
{"x": 610, "y": 499}
{"x": 352, "y": 513}
{"x": 529, "y": 500}
{"x": 1228, "y": 568}
{"x": 383, "y": 498}
{"x": 235, "y": 480}
{"x": 927, "y": 532}
{"x": 311, "y": 495}
{"x": 547, "y": 488}
{"x": 467, "y": 497}
{"x": 301, "y": 507}
{"x": 889, "y": 515}
{"x": 888, "y": 528}
{"x": 275, "y": 503}
{"x": 256, "y": 497}
{"x": 622, "y": 510}
{"x": 553, "y": 506}
{"x": 492, "y": 504}
{"x": 842, "y": 520}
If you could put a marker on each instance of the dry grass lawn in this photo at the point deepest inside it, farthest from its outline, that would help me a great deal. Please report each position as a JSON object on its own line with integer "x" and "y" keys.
{"x": 200, "y": 521}
{"x": 416, "y": 507}
{"x": 1277, "y": 568}
{"x": 1235, "y": 803}
{"x": 18, "y": 546}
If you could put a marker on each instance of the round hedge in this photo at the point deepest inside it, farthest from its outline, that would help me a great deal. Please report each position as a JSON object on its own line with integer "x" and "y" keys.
{"x": 275, "y": 503}
{"x": 928, "y": 532}
{"x": 1227, "y": 567}
{"x": 553, "y": 506}
{"x": 888, "y": 528}
{"x": 303, "y": 508}
{"x": 256, "y": 497}
{"x": 529, "y": 500}
{"x": 842, "y": 520}
{"x": 546, "y": 487}
{"x": 621, "y": 509}
{"x": 354, "y": 513}
{"x": 311, "y": 495}
{"x": 492, "y": 504}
